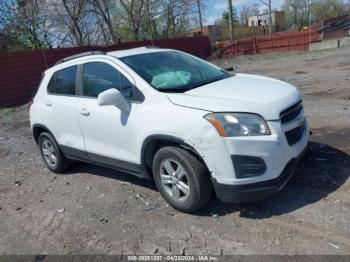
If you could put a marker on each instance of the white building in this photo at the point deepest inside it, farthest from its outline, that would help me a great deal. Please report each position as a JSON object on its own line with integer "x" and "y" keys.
{"x": 278, "y": 20}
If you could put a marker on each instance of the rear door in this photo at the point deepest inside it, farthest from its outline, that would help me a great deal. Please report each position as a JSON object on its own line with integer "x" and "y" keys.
{"x": 60, "y": 111}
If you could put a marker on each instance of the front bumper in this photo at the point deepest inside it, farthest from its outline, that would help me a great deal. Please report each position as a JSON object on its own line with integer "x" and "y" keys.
{"x": 258, "y": 191}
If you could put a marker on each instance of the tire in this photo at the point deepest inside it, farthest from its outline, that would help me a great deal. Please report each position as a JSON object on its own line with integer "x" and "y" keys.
{"x": 57, "y": 162}
{"x": 187, "y": 189}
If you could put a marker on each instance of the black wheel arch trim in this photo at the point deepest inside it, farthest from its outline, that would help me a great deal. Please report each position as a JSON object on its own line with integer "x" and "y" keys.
{"x": 36, "y": 137}
{"x": 47, "y": 130}
{"x": 166, "y": 138}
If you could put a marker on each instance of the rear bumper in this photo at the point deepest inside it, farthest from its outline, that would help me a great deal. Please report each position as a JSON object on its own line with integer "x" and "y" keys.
{"x": 258, "y": 191}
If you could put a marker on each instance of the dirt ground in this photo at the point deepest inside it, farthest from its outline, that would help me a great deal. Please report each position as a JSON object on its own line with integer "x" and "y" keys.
{"x": 93, "y": 210}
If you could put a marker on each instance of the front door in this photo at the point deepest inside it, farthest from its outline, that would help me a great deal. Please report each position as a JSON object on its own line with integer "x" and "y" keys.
{"x": 108, "y": 132}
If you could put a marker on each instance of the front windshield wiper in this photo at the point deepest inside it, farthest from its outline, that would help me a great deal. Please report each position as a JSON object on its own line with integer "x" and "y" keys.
{"x": 173, "y": 90}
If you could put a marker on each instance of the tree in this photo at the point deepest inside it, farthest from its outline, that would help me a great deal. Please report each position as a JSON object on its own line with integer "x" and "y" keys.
{"x": 102, "y": 9}
{"x": 36, "y": 24}
{"x": 74, "y": 11}
{"x": 300, "y": 12}
{"x": 26, "y": 24}
{"x": 8, "y": 29}
{"x": 324, "y": 10}
{"x": 296, "y": 12}
{"x": 175, "y": 14}
{"x": 74, "y": 24}
{"x": 151, "y": 19}
{"x": 225, "y": 16}
{"x": 134, "y": 11}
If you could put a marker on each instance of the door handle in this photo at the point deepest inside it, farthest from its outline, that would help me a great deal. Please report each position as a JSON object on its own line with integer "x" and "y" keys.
{"x": 84, "y": 112}
{"x": 48, "y": 103}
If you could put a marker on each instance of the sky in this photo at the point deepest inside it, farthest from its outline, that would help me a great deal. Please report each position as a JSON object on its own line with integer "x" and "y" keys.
{"x": 215, "y": 8}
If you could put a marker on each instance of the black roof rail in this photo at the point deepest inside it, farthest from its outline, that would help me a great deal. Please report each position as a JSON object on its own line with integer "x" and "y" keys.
{"x": 80, "y": 55}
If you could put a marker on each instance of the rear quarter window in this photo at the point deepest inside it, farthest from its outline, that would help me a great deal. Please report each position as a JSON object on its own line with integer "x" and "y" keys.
{"x": 63, "y": 82}
{"x": 51, "y": 86}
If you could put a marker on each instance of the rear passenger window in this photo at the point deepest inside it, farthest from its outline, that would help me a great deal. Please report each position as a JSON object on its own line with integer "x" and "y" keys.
{"x": 63, "y": 81}
{"x": 99, "y": 77}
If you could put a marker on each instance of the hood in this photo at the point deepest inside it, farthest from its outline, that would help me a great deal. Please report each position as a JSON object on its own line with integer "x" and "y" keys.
{"x": 241, "y": 93}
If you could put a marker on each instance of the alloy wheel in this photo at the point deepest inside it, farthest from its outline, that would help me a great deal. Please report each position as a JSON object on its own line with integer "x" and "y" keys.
{"x": 174, "y": 180}
{"x": 49, "y": 153}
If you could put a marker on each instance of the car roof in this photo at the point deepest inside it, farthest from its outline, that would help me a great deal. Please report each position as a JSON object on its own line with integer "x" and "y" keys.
{"x": 117, "y": 54}
{"x": 136, "y": 51}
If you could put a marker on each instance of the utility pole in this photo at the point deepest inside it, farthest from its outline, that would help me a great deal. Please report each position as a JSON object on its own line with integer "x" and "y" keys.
{"x": 270, "y": 14}
{"x": 230, "y": 19}
{"x": 200, "y": 15}
{"x": 309, "y": 18}
{"x": 270, "y": 18}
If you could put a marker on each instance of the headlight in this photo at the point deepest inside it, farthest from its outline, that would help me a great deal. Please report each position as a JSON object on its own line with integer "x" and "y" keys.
{"x": 238, "y": 124}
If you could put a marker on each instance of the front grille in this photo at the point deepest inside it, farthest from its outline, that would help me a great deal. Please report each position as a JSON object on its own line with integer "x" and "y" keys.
{"x": 293, "y": 136}
{"x": 291, "y": 113}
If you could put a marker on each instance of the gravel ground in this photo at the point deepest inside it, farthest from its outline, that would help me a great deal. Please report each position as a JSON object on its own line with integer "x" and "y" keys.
{"x": 93, "y": 210}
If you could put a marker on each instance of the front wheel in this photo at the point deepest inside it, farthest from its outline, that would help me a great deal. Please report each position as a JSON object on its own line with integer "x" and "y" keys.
{"x": 181, "y": 179}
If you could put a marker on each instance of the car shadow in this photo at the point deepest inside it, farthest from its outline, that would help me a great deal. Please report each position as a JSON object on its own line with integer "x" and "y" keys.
{"x": 322, "y": 172}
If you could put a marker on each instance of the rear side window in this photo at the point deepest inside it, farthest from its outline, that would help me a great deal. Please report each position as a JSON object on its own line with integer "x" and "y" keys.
{"x": 63, "y": 81}
{"x": 99, "y": 77}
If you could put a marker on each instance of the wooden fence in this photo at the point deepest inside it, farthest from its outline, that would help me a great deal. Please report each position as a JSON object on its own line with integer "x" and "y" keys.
{"x": 20, "y": 72}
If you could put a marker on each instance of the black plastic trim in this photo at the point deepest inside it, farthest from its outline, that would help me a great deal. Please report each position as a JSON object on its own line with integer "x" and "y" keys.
{"x": 35, "y": 126}
{"x": 295, "y": 135}
{"x": 165, "y": 138}
{"x": 116, "y": 164}
{"x": 74, "y": 154}
{"x": 248, "y": 166}
{"x": 128, "y": 167}
{"x": 291, "y": 113}
{"x": 158, "y": 137}
{"x": 79, "y": 80}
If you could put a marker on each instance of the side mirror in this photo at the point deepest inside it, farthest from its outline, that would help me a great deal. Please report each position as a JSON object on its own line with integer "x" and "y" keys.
{"x": 112, "y": 97}
{"x": 229, "y": 69}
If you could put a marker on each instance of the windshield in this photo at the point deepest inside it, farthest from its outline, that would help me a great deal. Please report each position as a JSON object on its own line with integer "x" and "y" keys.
{"x": 172, "y": 71}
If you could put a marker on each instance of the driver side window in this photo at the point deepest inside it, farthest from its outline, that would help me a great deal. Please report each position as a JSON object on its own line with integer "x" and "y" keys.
{"x": 99, "y": 77}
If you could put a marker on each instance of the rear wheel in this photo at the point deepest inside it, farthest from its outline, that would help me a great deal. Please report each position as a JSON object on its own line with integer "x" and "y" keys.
{"x": 181, "y": 179}
{"x": 51, "y": 154}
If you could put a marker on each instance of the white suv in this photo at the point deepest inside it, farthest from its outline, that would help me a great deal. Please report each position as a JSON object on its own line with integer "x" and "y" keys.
{"x": 165, "y": 115}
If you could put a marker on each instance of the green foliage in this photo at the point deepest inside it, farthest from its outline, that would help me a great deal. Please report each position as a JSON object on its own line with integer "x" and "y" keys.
{"x": 324, "y": 10}
{"x": 33, "y": 24}
{"x": 225, "y": 16}
{"x": 300, "y": 12}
